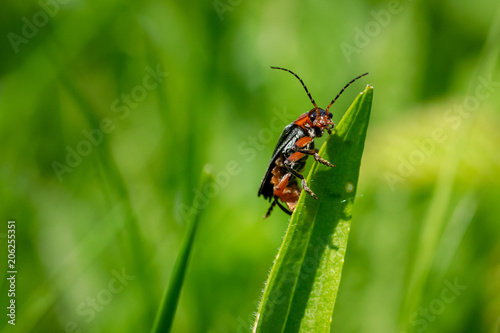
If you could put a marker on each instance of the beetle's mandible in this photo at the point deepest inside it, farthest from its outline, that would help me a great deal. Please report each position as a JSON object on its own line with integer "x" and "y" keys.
{"x": 295, "y": 144}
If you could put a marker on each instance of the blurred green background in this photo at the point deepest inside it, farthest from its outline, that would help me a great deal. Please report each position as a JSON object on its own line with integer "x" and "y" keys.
{"x": 110, "y": 110}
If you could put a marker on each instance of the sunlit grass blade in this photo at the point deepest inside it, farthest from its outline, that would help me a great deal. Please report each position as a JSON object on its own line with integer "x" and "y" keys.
{"x": 300, "y": 292}
{"x": 166, "y": 311}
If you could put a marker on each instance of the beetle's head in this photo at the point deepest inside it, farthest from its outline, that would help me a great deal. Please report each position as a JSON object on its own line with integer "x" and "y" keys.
{"x": 320, "y": 120}
{"x": 316, "y": 121}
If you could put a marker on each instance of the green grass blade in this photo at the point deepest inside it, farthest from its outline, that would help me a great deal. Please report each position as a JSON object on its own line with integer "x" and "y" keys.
{"x": 166, "y": 311}
{"x": 300, "y": 292}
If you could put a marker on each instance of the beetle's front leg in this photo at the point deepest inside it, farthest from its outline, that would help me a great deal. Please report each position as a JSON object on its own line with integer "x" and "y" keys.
{"x": 303, "y": 142}
{"x": 314, "y": 153}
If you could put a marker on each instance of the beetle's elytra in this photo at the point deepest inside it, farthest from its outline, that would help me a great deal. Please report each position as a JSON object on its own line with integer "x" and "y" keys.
{"x": 295, "y": 144}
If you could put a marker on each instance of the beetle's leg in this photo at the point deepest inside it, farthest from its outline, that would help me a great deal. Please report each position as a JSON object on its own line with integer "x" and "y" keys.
{"x": 288, "y": 163}
{"x": 302, "y": 142}
{"x": 307, "y": 189}
{"x": 282, "y": 207}
{"x": 278, "y": 190}
{"x": 275, "y": 201}
{"x": 290, "y": 160}
{"x": 270, "y": 209}
{"x": 314, "y": 153}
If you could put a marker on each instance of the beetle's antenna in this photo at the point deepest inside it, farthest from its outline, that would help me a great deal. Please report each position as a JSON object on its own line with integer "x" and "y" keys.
{"x": 303, "y": 85}
{"x": 340, "y": 93}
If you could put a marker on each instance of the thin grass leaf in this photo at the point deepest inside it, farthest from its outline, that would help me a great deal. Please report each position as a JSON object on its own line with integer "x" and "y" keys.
{"x": 300, "y": 293}
{"x": 166, "y": 311}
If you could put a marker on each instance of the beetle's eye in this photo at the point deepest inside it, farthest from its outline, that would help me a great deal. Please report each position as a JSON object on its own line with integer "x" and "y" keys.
{"x": 330, "y": 115}
{"x": 312, "y": 116}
